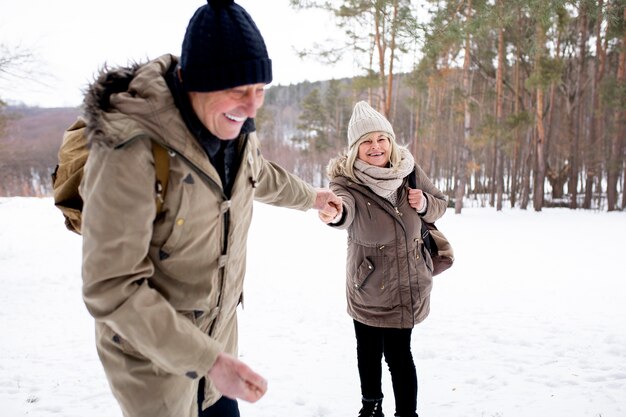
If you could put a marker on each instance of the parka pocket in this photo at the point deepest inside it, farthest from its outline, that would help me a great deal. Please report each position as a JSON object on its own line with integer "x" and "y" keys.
{"x": 178, "y": 224}
{"x": 370, "y": 285}
{"x": 422, "y": 252}
{"x": 363, "y": 272}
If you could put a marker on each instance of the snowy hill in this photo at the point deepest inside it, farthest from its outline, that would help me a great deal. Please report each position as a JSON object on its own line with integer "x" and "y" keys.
{"x": 530, "y": 321}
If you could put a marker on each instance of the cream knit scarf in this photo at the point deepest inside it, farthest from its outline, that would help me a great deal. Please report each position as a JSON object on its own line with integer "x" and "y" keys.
{"x": 385, "y": 181}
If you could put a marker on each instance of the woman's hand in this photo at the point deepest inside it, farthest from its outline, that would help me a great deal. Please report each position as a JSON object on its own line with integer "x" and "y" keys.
{"x": 417, "y": 200}
{"x": 327, "y": 217}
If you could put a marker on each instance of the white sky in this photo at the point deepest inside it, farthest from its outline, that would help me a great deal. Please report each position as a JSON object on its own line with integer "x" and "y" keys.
{"x": 73, "y": 38}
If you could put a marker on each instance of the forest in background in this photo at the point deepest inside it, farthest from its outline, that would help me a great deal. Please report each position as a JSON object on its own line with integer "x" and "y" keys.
{"x": 29, "y": 142}
{"x": 516, "y": 102}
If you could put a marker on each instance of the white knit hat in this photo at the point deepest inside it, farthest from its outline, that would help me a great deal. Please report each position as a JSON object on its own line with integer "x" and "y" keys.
{"x": 365, "y": 120}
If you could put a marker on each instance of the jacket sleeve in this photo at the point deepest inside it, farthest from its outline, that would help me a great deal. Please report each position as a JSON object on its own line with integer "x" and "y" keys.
{"x": 437, "y": 201}
{"x": 348, "y": 206}
{"x": 278, "y": 187}
{"x": 119, "y": 209}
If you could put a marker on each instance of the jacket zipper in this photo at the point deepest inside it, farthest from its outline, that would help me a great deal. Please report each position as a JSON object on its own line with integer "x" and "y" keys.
{"x": 382, "y": 256}
{"x": 226, "y": 227}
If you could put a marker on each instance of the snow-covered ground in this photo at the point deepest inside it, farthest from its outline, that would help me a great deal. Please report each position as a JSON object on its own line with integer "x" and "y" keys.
{"x": 530, "y": 321}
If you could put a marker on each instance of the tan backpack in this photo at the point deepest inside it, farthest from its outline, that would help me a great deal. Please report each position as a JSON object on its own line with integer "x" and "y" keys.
{"x": 68, "y": 174}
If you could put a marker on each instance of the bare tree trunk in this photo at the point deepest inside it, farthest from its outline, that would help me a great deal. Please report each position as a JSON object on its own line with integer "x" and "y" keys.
{"x": 467, "y": 122}
{"x": 526, "y": 157}
{"x": 381, "y": 46}
{"x": 431, "y": 109}
{"x": 392, "y": 50}
{"x": 540, "y": 173}
{"x": 596, "y": 144}
{"x": 370, "y": 93}
{"x": 492, "y": 183}
{"x": 551, "y": 102}
{"x": 499, "y": 174}
{"x": 616, "y": 158}
{"x": 590, "y": 139}
{"x": 623, "y": 180}
{"x": 416, "y": 135}
{"x": 557, "y": 179}
{"x": 518, "y": 137}
{"x": 577, "y": 131}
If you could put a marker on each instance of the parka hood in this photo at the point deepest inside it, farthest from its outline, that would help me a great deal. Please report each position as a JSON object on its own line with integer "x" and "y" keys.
{"x": 137, "y": 89}
{"x": 98, "y": 95}
{"x": 337, "y": 167}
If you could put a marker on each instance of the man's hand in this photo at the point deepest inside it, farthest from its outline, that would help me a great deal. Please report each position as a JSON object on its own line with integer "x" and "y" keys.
{"x": 235, "y": 379}
{"x": 417, "y": 200}
{"x": 327, "y": 203}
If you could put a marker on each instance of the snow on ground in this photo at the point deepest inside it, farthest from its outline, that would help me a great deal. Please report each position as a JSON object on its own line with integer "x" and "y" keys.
{"x": 530, "y": 321}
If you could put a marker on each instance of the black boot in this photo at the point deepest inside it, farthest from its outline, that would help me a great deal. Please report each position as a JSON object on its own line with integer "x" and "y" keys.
{"x": 372, "y": 408}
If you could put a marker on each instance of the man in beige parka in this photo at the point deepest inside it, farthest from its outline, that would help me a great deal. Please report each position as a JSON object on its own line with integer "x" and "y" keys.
{"x": 163, "y": 289}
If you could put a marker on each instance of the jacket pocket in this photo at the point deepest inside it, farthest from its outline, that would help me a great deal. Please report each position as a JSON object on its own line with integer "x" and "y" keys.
{"x": 423, "y": 256}
{"x": 363, "y": 272}
{"x": 371, "y": 287}
{"x": 178, "y": 226}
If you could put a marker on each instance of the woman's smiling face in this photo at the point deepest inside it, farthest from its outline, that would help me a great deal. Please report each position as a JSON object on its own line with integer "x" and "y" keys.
{"x": 375, "y": 149}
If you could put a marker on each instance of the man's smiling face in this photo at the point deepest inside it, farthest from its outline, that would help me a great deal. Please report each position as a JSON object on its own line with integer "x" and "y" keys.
{"x": 224, "y": 112}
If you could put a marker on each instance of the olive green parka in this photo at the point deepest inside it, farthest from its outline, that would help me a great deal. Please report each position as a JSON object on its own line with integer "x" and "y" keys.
{"x": 164, "y": 290}
{"x": 388, "y": 269}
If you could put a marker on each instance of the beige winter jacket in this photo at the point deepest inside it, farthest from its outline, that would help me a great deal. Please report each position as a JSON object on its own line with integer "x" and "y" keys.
{"x": 164, "y": 291}
{"x": 388, "y": 269}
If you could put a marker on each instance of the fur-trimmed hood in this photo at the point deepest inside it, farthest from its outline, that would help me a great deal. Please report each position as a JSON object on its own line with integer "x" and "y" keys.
{"x": 337, "y": 167}
{"x": 136, "y": 90}
{"x": 97, "y": 99}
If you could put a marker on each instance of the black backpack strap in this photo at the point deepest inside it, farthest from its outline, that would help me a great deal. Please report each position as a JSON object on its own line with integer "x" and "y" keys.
{"x": 413, "y": 179}
{"x": 428, "y": 240}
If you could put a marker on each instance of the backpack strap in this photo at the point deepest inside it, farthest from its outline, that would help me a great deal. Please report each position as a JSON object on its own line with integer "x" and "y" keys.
{"x": 413, "y": 179}
{"x": 430, "y": 244}
{"x": 162, "y": 171}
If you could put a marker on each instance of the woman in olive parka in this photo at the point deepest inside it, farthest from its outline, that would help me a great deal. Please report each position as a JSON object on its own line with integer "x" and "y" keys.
{"x": 388, "y": 269}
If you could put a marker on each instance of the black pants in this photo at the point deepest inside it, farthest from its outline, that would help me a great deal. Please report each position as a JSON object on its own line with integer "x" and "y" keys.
{"x": 224, "y": 407}
{"x": 395, "y": 344}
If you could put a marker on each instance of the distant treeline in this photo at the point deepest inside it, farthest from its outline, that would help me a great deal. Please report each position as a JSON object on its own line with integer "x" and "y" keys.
{"x": 511, "y": 102}
{"x": 302, "y": 126}
{"x": 522, "y": 101}
{"x": 29, "y": 141}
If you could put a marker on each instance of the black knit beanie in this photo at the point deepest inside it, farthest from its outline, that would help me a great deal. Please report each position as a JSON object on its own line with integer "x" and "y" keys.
{"x": 222, "y": 49}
